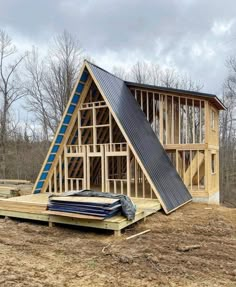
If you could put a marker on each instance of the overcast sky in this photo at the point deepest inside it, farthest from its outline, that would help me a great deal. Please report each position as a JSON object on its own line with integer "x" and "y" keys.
{"x": 194, "y": 36}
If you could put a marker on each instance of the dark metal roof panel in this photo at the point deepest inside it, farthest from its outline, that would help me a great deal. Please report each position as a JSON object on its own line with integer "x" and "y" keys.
{"x": 154, "y": 158}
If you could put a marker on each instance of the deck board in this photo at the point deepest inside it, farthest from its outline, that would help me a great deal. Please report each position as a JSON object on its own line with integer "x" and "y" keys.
{"x": 34, "y": 207}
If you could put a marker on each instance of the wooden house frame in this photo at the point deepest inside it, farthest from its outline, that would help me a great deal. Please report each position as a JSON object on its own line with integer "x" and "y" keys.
{"x": 94, "y": 147}
{"x": 187, "y": 124}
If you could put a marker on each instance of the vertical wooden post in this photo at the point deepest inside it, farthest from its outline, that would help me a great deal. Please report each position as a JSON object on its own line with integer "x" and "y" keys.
{"x": 207, "y": 169}
{"x": 184, "y": 167}
{"x": 50, "y": 185}
{"x": 110, "y": 128}
{"x": 172, "y": 120}
{"x": 60, "y": 174}
{"x": 121, "y": 187}
{"x": 136, "y": 177}
{"x": 88, "y": 168}
{"x": 191, "y": 170}
{"x": 79, "y": 129}
{"x": 186, "y": 122}
{"x": 161, "y": 118}
{"x": 103, "y": 167}
{"x": 177, "y": 160}
{"x": 55, "y": 178}
{"x": 143, "y": 181}
{"x": 115, "y": 189}
{"x": 198, "y": 183}
{"x": 94, "y": 127}
{"x": 193, "y": 119}
{"x": 166, "y": 120}
{"x": 200, "y": 125}
{"x": 180, "y": 122}
{"x": 128, "y": 172}
{"x": 84, "y": 150}
{"x": 207, "y": 122}
{"x": 154, "y": 113}
{"x": 66, "y": 169}
{"x": 106, "y": 173}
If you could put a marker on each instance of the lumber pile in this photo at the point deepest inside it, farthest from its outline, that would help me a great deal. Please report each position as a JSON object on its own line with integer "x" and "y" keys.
{"x": 99, "y": 207}
{"x": 25, "y": 204}
{"x": 8, "y": 191}
{"x": 13, "y": 187}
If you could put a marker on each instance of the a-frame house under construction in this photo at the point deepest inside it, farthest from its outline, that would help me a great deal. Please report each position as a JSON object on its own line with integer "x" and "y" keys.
{"x": 139, "y": 140}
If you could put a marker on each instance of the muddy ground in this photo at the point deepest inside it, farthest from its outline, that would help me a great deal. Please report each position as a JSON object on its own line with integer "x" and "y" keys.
{"x": 35, "y": 255}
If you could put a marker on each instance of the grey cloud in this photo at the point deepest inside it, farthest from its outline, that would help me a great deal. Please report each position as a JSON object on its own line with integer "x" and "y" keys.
{"x": 125, "y": 27}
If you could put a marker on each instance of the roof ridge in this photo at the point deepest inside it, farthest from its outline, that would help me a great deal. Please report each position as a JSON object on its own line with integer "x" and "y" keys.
{"x": 103, "y": 69}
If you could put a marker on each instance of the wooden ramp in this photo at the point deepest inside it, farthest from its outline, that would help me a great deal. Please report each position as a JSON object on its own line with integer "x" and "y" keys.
{"x": 34, "y": 207}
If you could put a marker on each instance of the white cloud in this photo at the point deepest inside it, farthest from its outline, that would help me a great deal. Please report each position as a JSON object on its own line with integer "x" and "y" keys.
{"x": 220, "y": 28}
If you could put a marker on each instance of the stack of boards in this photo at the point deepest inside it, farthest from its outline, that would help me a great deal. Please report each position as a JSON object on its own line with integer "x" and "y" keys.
{"x": 13, "y": 187}
{"x": 99, "y": 207}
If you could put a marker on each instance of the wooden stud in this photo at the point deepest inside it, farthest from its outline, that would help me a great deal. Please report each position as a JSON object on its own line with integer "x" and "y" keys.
{"x": 180, "y": 123}
{"x": 166, "y": 121}
{"x": 128, "y": 173}
{"x": 193, "y": 119}
{"x": 79, "y": 126}
{"x": 200, "y": 124}
{"x": 136, "y": 177}
{"x": 191, "y": 172}
{"x": 60, "y": 174}
{"x": 103, "y": 168}
{"x": 66, "y": 169}
{"x": 186, "y": 121}
{"x": 154, "y": 113}
{"x": 172, "y": 121}
{"x": 161, "y": 118}
{"x": 55, "y": 179}
{"x": 198, "y": 183}
{"x": 88, "y": 168}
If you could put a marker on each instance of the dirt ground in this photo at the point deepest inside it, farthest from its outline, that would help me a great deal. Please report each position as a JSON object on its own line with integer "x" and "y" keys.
{"x": 35, "y": 255}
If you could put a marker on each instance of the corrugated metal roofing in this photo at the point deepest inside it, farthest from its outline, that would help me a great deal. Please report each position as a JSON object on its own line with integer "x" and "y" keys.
{"x": 210, "y": 97}
{"x": 170, "y": 187}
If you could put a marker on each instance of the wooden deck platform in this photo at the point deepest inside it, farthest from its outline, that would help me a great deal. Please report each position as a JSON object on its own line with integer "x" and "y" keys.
{"x": 34, "y": 207}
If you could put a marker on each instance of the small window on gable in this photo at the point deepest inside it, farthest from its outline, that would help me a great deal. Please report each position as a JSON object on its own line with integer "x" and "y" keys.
{"x": 213, "y": 119}
{"x": 213, "y": 163}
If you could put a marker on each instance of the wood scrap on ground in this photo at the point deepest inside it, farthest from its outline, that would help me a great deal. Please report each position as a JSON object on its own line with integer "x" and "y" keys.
{"x": 186, "y": 248}
{"x": 138, "y": 234}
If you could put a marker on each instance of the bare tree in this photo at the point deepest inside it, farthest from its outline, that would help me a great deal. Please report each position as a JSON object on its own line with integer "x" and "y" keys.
{"x": 120, "y": 73}
{"x": 140, "y": 73}
{"x": 11, "y": 88}
{"x": 228, "y": 136}
{"x": 154, "y": 74}
{"x": 51, "y": 79}
{"x": 37, "y": 97}
{"x": 65, "y": 59}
